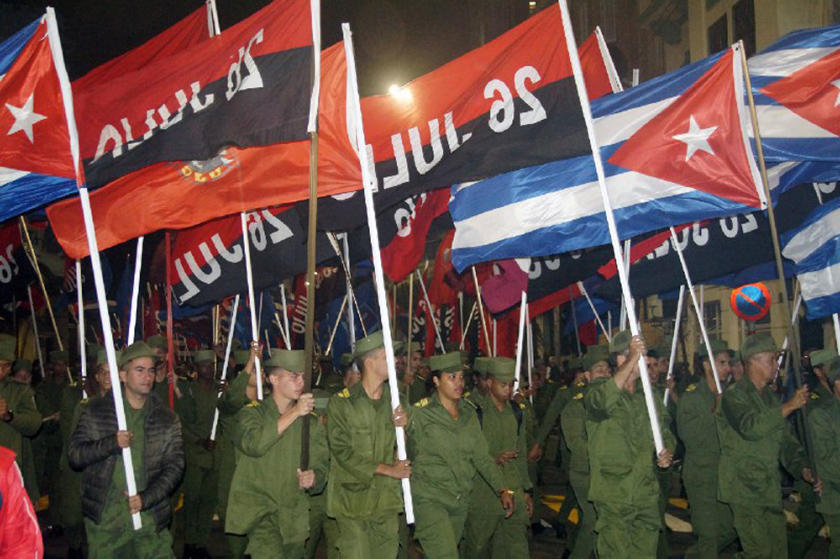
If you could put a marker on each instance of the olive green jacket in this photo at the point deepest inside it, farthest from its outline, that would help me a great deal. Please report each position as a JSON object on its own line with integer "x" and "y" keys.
{"x": 621, "y": 449}
{"x": 552, "y": 414}
{"x": 573, "y": 423}
{"x": 26, "y": 418}
{"x": 198, "y": 430}
{"x": 754, "y": 438}
{"x": 697, "y": 429}
{"x": 361, "y": 436}
{"x": 265, "y": 482}
{"x": 824, "y": 422}
{"x": 446, "y": 453}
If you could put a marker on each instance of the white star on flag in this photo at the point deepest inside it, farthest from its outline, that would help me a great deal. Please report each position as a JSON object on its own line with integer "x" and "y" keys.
{"x": 696, "y": 138}
{"x": 25, "y": 117}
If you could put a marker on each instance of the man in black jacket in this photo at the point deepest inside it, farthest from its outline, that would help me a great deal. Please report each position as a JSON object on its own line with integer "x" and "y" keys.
{"x": 157, "y": 452}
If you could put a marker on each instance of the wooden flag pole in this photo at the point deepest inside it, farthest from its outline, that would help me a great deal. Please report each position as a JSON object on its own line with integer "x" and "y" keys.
{"x": 35, "y": 328}
{"x": 368, "y": 182}
{"x": 602, "y": 183}
{"x": 309, "y": 334}
{"x": 481, "y": 310}
{"x": 170, "y": 340}
{"x": 225, "y": 366}
{"x": 334, "y": 330}
{"x": 674, "y": 339}
{"x": 575, "y": 321}
{"x": 345, "y": 264}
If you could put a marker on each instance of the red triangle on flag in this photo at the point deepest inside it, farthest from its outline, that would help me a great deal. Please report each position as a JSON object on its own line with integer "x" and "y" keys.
{"x": 698, "y": 141}
{"x": 812, "y": 92}
{"x": 33, "y": 126}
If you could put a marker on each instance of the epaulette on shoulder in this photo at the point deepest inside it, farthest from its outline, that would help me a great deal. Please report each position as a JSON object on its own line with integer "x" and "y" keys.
{"x": 550, "y": 381}
{"x": 691, "y": 387}
{"x": 84, "y": 401}
{"x": 422, "y": 403}
{"x": 253, "y": 404}
{"x": 314, "y": 414}
{"x": 522, "y": 406}
{"x": 344, "y": 394}
{"x": 815, "y": 396}
{"x": 465, "y": 394}
{"x": 564, "y": 387}
{"x": 578, "y": 396}
{"x": 580, "y": 384}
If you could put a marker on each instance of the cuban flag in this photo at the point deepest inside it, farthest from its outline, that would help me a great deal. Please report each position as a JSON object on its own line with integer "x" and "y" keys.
{"x": 675, "y": 150}
{"x": 36, "y": 166}
{"x": 814, "y": 247}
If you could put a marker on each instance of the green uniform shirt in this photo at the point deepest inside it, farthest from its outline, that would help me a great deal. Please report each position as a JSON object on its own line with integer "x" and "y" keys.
{"x": 417, "y": 390}
{"x": 48, "y": 399}
{"x": 754, "y": 438}
{"x": 265, "y": 481}
{"x": 552, "y": 414}
{"x": 27, "y": 419}
{"x": 361, "y": 436}
{"x": 196, "y": 432}
{"x": 698, "y": 431}
{"x": 446, "y": 453}
{"x": 184, "y": 406}
{"x": 621, "y": 450}
{"x": 543, "y": 398}
{"x": 824, "y": 422}
{"x": 573, "y": 423}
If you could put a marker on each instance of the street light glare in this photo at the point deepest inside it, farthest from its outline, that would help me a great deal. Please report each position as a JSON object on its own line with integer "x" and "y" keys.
{"x": 401, "y": 93}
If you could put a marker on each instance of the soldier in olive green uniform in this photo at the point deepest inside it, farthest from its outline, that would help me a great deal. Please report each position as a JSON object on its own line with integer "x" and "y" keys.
{"x": 183, "y": 402}
{"x": 754, "y": 437}
{"x": 697, "y": 410}
{"x": 573, "y": 423}
{"x": 319, "y": 523}
{"x": 46, "y": 445}
{"x": 19, "y": 417}
{"x": 269, "y": 497}
{"x": 824, "y": 422}
{"x": 363, "y": 492}
{"x": 487, "y": 527}
{"x": 22, "y": 373}
{"x": 447, "y": 448}
{"x": 624, "y": 485}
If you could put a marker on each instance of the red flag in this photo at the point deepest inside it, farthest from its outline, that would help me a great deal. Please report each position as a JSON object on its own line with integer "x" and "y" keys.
{"x": 401, "y": 256}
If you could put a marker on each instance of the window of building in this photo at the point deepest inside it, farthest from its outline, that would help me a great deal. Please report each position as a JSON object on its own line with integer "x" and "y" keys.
{"x": 743, "y": 24}
{"x": 711, "y": 318}
{"x": 718, "y": 36}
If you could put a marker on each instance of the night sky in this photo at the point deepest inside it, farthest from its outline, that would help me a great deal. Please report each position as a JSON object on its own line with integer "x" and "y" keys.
{"x": 395, "y": 41}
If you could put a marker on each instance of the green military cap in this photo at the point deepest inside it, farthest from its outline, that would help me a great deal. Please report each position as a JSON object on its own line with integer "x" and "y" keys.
{"x": 135, "y": 351}
{"x": 241, "y": 356}
{"x": 447, "y": 363}
{"x": 451, "y": 346}
{"x": 664, "y": 349}
{"x": 757, "y": 343}
{"x": 594, "y": 355}
{"x": 833, "y": 372}
{"x": 399, "y": 348}
{"x": 91, "y": 350}
{"x": 369, "y": 343}
{"x": 621, "y": 341}
{"x": 8, "y": 344}
{"x": 292, "y": 360}
{"x": 718, "y": 346}
{"x": 22, "y": 365}
{"x": 102, "y": 357}
{"x": 204, "y": 356}
{"x": 823, "y": 357}
{"x": 322, "y": 398}
{"x": 480, "y": 365}
{"x": 59, "y": 356}
{"x": 734, "y": 355}
{"x": 158, "y": 342}
{"x": 502, "y": 368}
{"x": 411, "y": 347}
{"x": 346, "y": 359}
{"x": 575, "y": 363}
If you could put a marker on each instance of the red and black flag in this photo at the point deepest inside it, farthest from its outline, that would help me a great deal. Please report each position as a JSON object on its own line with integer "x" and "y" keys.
{"x": 16, "y": 271}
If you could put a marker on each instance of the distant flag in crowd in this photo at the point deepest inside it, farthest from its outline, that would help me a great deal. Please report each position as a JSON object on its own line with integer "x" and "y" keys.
{"x": 36, "y": 165}
{"x": 675, "y": 150}
{"x": 16, "y": 271}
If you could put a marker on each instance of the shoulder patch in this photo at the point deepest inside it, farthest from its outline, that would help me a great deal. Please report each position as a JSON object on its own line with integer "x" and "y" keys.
{"x": 465, "y": 394}
{"x": 579, "y": 384}
{"x": 564, "y": 387}
{"x": 253, "y": 404}
{"x": 344, "y": 394}
{"x": 522, "y": 406}
{"x": 691, "y": 387}
{"x": 84, "y": 401}
{"x": 422, "y": 403}
{"x": 578, "y": 396}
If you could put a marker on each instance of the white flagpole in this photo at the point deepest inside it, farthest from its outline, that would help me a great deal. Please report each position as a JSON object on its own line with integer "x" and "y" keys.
{"x": 35, "y": 326}
{"x": 530, "y": 351}
{"x": 431, "y": 312}
{"x": 520, "y": 344}
{"x": 594, "y": 312}
{"x": 677, "y": 322}
{"x": 80, "y": 323}
{"x": 697, "y": 309}
{"x": 602, "y": 183}
{"x": 575, "y": 322}
{"x": 368, "y": 183}
{"x": 467, "y": 327}
{"x": 622, "y": 320}
{"x": 287, "y": 335}
{"x": 255, "y": 333}
{"x": 836, "y": 319}
{"x": 231, "y": 331}
{"x": 108, "y": 338}
{"x": 495, "y": 340}
{"x": 461, "y": 312}
{"x": 135, "y": 293}
{"x": 351, "y": 303}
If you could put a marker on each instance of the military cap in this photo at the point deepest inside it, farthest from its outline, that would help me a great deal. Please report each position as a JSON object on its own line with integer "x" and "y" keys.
{"x": 653, "y": 352}
{"x": 480, "y": 365}
{"x": 664, "y": 349}
{"x": 158, "y": 342}
{"x": 734, "y": 355}
{"x": 411, "y": 347}
{"x": 823, "y": 357}
{"x": 322, "y": 398}
{"x": 718, "y": 346}
{"x": 204, "y": 356}
{"x": 292, "y": 360}
{"x": 757, "y": 343}
{"x": 502, "y": 368}
{"x": 102, "y": 357}
{"x": 452, "y": 346}
{"x": 22, "y": 365}
{"x": 575, "y": 363}
{"x": 399, "y": 348}
{"x": 91, "y": 350}
{"x": 833, "y": 372}
{"x": 59, "y": 356}
{"x": 447, "y": 363}
{"x": 7, "y": 347}
{"x": 241, "y": 356}
{"x": 621, "y": 342}
{"x": 135, "y": 351}
{"x": 594, "y": 355}
{"x": 346, "y": 359}
{"x": 369, "y": 343}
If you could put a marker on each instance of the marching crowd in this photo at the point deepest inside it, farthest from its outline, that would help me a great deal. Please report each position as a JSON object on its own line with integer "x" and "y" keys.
{"x": 476, "y": 448}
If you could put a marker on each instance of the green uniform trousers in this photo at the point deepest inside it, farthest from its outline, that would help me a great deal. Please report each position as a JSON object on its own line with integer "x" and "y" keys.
{"x": 72, "y": 518}
{"x": 506, "y": 537}
{"x": 200, "y": 499}
{"x": 833, "y": 521}
{"x": 364, "y": 539}
{"x": 265, "y": 542}
{"x": 762, "y": 531}
{"x": 664, "y": 478}
{"x": 439, "y": 528}
{"x": 405, "y": 538}
{"x": 237, "y": 544}
{"x": 584, "y": 544}
{"x": 320, "y": 524}
{"x": 801, "y": 536}
{"x": 711, "y": 520}
{"x": 627, "y": 531}
{"x": 145, "y": 543}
